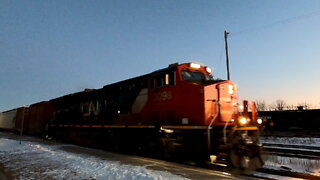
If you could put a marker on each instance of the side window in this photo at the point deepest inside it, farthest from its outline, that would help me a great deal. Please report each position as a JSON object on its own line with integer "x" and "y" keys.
{"x": 163, "y": 80}
{"x": 172, "y": 78}
{"x": 159, "y": 81}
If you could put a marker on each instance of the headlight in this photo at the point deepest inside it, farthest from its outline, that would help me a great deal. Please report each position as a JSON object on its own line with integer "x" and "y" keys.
{"x": 230, "y": 90}
{"x": 195, "y": 65}
{"x": 259, "y": 121}
{"x": 208, "y": 70}
{"x": 243, "y": 121}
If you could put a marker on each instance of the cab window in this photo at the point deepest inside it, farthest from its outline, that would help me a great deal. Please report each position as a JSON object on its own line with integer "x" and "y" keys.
{"x": 192, "y": 76}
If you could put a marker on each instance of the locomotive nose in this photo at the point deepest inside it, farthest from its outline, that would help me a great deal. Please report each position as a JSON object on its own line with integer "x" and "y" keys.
{"x": 228, "y": 98}
{"x": 238, "y": 141}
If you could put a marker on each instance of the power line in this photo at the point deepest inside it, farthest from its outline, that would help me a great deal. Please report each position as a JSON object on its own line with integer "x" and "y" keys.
{"x": 277, "y": 23}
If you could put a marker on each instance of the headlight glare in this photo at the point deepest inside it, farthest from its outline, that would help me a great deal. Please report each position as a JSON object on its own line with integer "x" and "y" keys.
{"x": 209, "y": 70}
{"x": 243, "y": 121}
{"x": 230, "y": 90}
{"x": 195, "y": 65}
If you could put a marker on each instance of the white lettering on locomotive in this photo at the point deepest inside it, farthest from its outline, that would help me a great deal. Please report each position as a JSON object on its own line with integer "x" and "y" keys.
{"x": 163, "y": 96}
{"x": 89, "y": 108}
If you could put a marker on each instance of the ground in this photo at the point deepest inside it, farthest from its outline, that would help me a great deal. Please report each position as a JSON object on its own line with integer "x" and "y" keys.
{"x": 39, "y": 159}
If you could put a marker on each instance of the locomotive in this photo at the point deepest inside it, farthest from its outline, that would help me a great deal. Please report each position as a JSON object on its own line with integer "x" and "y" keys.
{"x": 177, "y": 112}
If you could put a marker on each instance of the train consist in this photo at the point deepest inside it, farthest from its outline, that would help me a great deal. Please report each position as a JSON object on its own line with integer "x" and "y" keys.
{"x": 31, "y": 120}
{"x": 177, "y": 112}
{"x": 292, "y": 122}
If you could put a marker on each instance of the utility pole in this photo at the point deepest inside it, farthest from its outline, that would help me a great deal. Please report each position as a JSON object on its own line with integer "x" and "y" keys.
{"x": 22, "y": 121}
{"x": 227, "y": 54}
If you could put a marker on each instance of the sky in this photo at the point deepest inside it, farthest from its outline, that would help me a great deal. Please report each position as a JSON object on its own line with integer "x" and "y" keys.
{"x": 53, "y": 48}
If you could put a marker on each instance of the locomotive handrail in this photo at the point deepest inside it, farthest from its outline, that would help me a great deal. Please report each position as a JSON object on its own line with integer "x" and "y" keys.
{"x": 212, "y": 121}
{"x": 225, "y": 133}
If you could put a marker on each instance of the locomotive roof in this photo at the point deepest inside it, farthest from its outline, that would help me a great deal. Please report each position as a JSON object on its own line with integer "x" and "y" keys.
{"x": 170, "y": 67}
{"x": 138, "y": 78}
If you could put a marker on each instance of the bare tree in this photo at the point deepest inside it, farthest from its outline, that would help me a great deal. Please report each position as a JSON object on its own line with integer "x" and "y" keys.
{"x": 278, "y": 105}
{"x": 304, "y": 105}
{"x": 261, "y": 105}
{"x": 291, "y": 107}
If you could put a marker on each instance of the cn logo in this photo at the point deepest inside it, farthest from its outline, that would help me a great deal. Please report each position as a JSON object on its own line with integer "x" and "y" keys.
{"x": 89, "y": 108}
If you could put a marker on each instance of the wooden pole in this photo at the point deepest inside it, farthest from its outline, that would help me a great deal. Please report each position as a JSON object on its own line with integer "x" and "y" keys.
{"x": 22, "y": 122}
{"x": 227, "y": 53}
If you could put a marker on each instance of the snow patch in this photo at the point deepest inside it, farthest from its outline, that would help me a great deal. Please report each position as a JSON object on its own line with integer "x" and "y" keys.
{"x": 32, "y": 160}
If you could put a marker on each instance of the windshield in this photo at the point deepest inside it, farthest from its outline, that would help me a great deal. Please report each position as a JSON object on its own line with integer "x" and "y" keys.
{"x": 193, "y": 76}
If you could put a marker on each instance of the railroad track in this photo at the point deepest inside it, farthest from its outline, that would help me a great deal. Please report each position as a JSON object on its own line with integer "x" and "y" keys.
{"x": 265, "y": 173}
{"x": 292, "y": 146}
{"x": 270, "y": 173}
{"x": 288, "y": 150}
{"x": 297, "y": 151}
{"x": 282, "y": 172}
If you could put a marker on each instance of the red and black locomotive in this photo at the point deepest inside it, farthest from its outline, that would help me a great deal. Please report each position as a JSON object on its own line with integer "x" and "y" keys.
{"x": 179, "y": 111}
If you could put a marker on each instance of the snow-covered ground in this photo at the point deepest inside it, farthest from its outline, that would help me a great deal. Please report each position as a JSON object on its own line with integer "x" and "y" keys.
{"x": 37, "y": 159}
{"x": 33, "y": 160}
{"x": 289, "y": 163}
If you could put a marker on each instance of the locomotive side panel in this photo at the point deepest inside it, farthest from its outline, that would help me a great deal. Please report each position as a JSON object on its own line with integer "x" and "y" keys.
{"x": 191, "y": 94}
{"x": 127, "y": 99}
{"x": 173, "y": 100}
{"x": 190, "y": 104}
{"x": 78, "y": 108}
{"x": 162, "y": 97}
{"x": 211, "y": 100}
{"x": 112, "y": 104}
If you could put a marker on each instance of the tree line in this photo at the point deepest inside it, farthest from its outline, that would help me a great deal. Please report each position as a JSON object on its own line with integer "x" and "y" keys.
{"x": 280, "y": 105}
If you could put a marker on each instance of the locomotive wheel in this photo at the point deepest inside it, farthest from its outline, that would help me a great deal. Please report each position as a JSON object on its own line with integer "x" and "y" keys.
{"x": 167, "y": 148}
{"x": 245, "y": 163}
{"x": 235, "y": 159}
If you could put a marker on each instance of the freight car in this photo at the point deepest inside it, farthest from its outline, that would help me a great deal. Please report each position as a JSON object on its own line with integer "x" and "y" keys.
{"x": 30, "y": 120}
{"x": 8, "y": 120}
{"x": 179, "y": 111}
{"x": 292, "y": 122}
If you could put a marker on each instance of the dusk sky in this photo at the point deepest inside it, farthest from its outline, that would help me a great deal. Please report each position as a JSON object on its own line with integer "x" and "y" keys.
{"x": 52, "y": 48}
